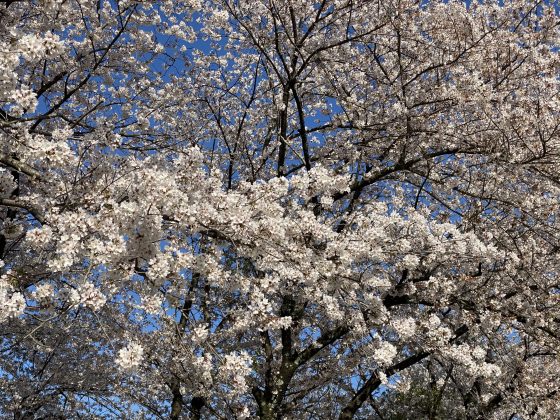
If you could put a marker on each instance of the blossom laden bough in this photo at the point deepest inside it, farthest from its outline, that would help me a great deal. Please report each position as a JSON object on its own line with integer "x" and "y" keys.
{"x": 279, "y": 209}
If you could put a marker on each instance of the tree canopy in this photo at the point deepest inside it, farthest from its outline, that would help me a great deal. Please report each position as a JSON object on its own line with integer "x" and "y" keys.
{"x": 279, "y": 209}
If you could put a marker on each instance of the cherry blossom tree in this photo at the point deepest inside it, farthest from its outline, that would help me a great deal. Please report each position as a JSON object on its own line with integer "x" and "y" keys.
{"x": 279, "y": 209}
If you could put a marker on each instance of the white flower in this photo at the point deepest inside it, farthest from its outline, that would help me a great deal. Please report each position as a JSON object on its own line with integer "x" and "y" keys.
{"x": 236, "y": 367}
{"x": 131, "y": 356}
{"x": 434, "y": 321}
{"x": 39, "y": 236}
{"x": 490, "y": 370}
{"x": 12, "y": 306}
{"x": 385, "y": 353}
{"x": 383, "y": 378}
{"x": 478, "y": 353}
{"x": 405, "y": 327}
{"x": 200, "y": 333}
{"x": 91, "y": 296}
{"x": 410, "y": 261}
